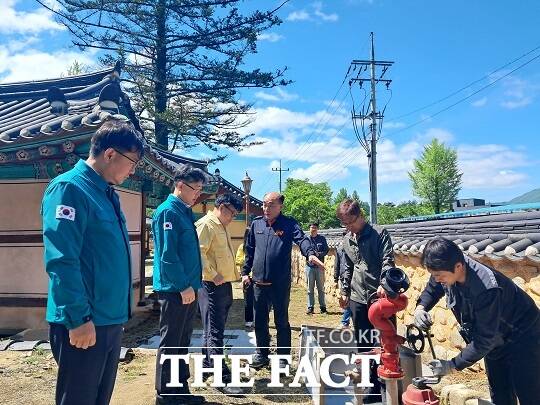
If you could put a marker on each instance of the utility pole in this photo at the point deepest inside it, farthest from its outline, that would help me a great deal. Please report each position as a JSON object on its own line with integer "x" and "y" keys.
{"x": 369, "y": 139}
{"x": 280, "y": 170}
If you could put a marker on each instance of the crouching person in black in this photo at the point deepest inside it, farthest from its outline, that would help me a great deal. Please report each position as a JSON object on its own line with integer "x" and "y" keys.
{"x": 498, "y": 320}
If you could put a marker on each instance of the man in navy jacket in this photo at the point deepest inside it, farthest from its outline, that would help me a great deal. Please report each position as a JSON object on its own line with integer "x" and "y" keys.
{"x": 268, "y": 257}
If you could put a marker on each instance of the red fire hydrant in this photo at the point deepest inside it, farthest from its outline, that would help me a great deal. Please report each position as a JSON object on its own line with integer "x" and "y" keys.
{"x": 379, "y": 315}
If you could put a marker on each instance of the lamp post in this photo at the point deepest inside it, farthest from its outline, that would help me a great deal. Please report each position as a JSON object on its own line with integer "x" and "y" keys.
{"x": 246, "y": 183}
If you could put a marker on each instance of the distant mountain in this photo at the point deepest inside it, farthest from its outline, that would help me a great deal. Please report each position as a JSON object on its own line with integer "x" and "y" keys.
{"x": 532, "y": 196}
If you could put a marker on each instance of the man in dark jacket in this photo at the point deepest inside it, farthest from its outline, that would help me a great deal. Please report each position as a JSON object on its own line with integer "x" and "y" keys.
{"x": 268, "y": 257}
{"x": 498, "y": 320}
{"x": 314, "y": 272}
{"x": 345, "y": 319}
{"x": 367, "y": 252}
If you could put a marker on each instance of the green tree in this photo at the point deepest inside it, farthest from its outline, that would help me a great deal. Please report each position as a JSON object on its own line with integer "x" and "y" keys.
{"x": 307, "y": 202}
{"x": 436, "y": 178}
{"x": 183, "y": 62}
{"x": 76, "y": 68}
{"x": 389, "y": 213}
{"x": 340, "y": 196}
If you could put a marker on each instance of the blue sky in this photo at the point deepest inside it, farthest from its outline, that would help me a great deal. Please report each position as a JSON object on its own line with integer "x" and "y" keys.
{"x": 437, "y": 47}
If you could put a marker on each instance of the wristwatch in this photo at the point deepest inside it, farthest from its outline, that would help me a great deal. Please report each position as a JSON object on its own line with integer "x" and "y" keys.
{"x": 87, "y": 318}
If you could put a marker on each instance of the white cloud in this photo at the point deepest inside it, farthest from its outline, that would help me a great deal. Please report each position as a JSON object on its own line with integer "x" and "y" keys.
{"x": 277, "y": 96}
{"x": 291, "y": 123}
{"x": 393, "y": 125}
{"x": 323, "y": 16}
{"x": 316, "y": 14}
{"x": 22, "y": 22}
{"x": 491, "y": 166}
{"x": 480, "y": 102}
{"x": 326, "y": 155}
{"x": 436, "y": 133}
{"x": 270, "y": 37}
{"x": 22, "y": 66}
{"x": 518, "y": 92}
{"x": 300, "y": 15}
{"x": 321, "y": 171}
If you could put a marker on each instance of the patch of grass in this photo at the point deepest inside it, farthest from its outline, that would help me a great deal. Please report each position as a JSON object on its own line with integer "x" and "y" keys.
{"x": 37, "y": 356}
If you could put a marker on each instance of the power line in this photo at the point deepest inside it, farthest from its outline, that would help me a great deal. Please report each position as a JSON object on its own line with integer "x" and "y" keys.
{"x": 297, "y": 155}
{"x": 464, "y": 98}
{"x": 488, "y": 76}
{"x": 280, "y": 170}
{"x": 330, "y": 105}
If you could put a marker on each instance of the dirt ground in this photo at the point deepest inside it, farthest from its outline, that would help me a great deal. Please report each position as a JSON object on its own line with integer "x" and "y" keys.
{"x": 29, "y": 378}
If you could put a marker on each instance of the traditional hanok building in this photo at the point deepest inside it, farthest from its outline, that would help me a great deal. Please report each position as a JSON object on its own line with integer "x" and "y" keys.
{"x": 45, "y": 128}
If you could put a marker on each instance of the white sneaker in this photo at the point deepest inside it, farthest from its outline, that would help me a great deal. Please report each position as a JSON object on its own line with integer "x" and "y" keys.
{"x": 249, "y": 324}
{"x": 232, "y": 390}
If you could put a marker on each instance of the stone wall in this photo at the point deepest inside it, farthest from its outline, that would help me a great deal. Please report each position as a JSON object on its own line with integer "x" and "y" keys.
{"x": 446, "y": 339}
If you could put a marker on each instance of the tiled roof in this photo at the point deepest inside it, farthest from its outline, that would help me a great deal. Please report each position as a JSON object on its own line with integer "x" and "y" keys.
{"x": 42, "y": 109}
{"x": 237, "y": 190}
{"x": 514, "y": 236}
{"x": 47, "y": 120}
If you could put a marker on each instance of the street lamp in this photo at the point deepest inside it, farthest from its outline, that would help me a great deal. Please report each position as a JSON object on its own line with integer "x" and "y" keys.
{"x": 246, "y": 183}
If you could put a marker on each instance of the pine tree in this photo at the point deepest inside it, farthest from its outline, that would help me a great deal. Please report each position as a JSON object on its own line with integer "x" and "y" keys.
{"x": 182, "y": 61}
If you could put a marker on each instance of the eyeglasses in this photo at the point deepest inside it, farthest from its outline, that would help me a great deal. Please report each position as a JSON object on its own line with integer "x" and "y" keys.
{"x": 233, "y": 212}
{"x": 269, "y": 205}
{"x": 135, "y": 162}
{"x": 197, "y": 190}
{"x": 346, "y": 224}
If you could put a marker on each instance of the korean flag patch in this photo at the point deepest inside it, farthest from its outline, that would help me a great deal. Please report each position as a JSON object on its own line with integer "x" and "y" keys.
{"x": 65, "y": 212}
{"x": 167, "y": 225}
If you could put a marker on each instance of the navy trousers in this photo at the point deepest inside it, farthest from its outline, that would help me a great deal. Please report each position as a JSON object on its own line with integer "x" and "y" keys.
{"x": 514, "y": 371}
{"x": 359, "y": 313}
{"x": 277, "y": 295}
{"x": 86, "y": 376}
{"x": 214, "y": 303}
{"x": 175, "y": 329}
{"x": 248, "y": 303}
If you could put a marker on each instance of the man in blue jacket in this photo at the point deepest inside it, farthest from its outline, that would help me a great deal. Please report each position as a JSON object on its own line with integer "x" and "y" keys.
{"x": 177, "y": 277}
{"x": 268, "y": 256}
{"x": 87, "y": 258}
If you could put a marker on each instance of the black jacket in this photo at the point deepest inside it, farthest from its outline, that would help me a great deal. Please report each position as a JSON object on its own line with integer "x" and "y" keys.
{"x": 268, "y": 249}
{"x": 491, "y": 310}
{"x": 320, "y": 246}
{"x": 366, "y": 255}
{"x": 338, "y": 263}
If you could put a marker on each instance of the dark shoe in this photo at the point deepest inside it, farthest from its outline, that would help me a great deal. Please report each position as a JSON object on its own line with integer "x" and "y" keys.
{"x": 181, "y": 400}
{"x": 372, "y": 399}
{"x": 260, "y": 361}
{"x": 373, "y": 395}
{"x": 309, "y": 311}
{"x": 323, "y": 310}
{"x": 193, "y": 399}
